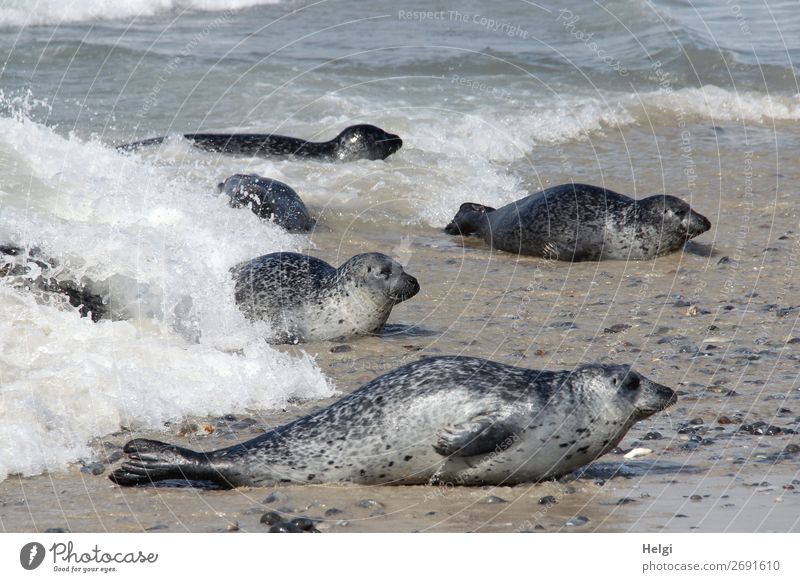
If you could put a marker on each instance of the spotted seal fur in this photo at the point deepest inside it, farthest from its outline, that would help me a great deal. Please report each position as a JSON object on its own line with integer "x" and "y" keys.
{"x": 306, "y": 299}
{"x": 580, "y": 222}
{"x": 357, "y": 142}
{"x": 268, "y": 199}
{"x": 449, "y": 419}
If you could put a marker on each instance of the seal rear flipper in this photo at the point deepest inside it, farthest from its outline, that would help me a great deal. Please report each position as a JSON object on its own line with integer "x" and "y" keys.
{"x": 150, "y": 461}
{"x": 480, "y": 435}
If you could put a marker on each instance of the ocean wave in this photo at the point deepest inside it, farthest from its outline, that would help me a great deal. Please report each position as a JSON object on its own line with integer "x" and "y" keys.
{"x": 161, "y": 244}
{"x": 20, "y": 13}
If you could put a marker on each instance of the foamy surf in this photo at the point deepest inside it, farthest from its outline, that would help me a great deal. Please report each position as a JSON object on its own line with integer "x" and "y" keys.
{"x": 20, "y": 13}
{"x": 159, "y": 246}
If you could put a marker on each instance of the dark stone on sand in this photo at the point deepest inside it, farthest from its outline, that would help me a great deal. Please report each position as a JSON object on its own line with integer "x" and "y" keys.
{"x": 547, "y": 500}
{"x": 56, "y": 530}
{"x": 271, "y": 518}
{"x": 285, "y": 527}
{"x": 332, "y": 511}
{"x": 303, "y": 523}
{"x": 617, "y": 328}
{"x": 626, "y": 501}
{"x": 341, "y": 349}
{"x": 760, "y": 428}
{"x": 562, "y": 325}
{"x": 696, "y": 498}
{"x": 724, "y": 260}
{"x": 370, "y": 504}
{"x": 680, "y": 515}
{"x": 652, "y": 436}
{"x": 157, "y": 527}
{"x": 577, "y": 521}
{"x": 681, "y": 303}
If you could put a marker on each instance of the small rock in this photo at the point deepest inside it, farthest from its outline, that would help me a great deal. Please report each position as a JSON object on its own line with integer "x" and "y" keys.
{"x": 303, "y": 523}
{"x": 577, "y": 521}
{"x": 617, "y": 328}
{"x": 626, "y": 501}
{"x": 341, "y": 349}
{"x": 547, "y": 500}
{"x": 693, "y": 311}
{"x": 56, "y": 530}
{"x": 637, "y": 452}
{"x": 724, "y": 420}
{"x": 492, "y": 499}
{"x": 652, "y": 436}
{"x": 285, "y": 527}
{"x": 233, "y": 526}
{"x": 696, "y": 497}
{"x": 93, "y": 468}
{"x": 157, "y": 527}
{"x": 370, "y": 504}
{"x": 332, "y": 511}
{"x": 275, "y": 497}
{"x": 271, "y": 518}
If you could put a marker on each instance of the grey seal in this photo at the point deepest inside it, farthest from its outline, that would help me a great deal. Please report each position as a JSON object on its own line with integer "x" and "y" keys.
{"x": 268, "y": 199}
{"x": 306, "y": 299}
{"x": 580, "y": 222}
{"x": 449, "y": 419}
{"x": 357, "y": 142}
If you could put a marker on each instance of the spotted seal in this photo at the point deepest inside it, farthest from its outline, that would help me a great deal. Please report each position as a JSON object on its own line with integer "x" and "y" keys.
{"x": 450, "y": 419}
{"x": 306, "y": 299}
{"x": 357, "y": 142}
{"x": 580, "y": 222}
{"x": 268, "y": 199}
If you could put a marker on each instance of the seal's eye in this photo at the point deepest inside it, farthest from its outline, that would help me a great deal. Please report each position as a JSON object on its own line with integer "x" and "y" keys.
{"x": 385, "y": 272}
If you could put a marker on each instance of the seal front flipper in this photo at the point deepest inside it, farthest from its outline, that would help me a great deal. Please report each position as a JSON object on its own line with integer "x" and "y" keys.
{"x": 480, "y": 435}
{"x": 150, "y": 461}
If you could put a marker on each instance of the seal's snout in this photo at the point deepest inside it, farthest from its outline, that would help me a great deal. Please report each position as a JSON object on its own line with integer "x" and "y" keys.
{"x": 391, "y": 143}
{"x": 452, "y": 228}
{"x": 697, "y": 224}
{"x": 406, "y": 288}
{"x": 656, "y": 398}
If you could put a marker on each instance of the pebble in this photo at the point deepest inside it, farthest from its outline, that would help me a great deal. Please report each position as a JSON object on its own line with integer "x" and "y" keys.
{"x": 492, "y": 499}
{"x": 157, "y": 527}
{"x": 303, "y": 523}
{"x": 285, "y": 527}
{"x": 332, "y": 511}
{"x": 760, "y": 428}
{"x": 617, "y": 328}
{"x": 341, "y": 349}
{"x": 626, "y": 501}
{"x": 56, "y": 530}
{"x": 577, "y": 521}
{"x": 271, "y": 518}
{"x": 93, "y": 468}
{"x": 696, "y": 497}
{"x": 547, "y": 500}
{"x": 637, "y": 452}
{"x": 370, "y": 504}
{"x": 233, "y": 526}
{"x": 275, "y": 497}
{"x": 652, "y": 436}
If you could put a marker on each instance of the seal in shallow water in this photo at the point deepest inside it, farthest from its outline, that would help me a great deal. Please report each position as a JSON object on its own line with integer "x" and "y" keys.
{"x": 449, "y": 419}
{"x": 268, "y": 199}
{"x": 357, "y": 142}
{"x": 579, "y": 222}
{"x": 306, "y": 299}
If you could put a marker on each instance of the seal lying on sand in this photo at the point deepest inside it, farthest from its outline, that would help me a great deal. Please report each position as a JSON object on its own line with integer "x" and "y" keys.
{"x": 357, "y": 142}
{"x": 268, "y": 199}
{"x": 447, "y": 419}
{"x": 306, "y": 299}
{"x": 579, "y": 222}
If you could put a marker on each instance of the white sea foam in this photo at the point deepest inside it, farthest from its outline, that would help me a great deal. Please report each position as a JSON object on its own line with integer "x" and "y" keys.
{"x": 18, "y": 13}
{"x": 162, "y": 245}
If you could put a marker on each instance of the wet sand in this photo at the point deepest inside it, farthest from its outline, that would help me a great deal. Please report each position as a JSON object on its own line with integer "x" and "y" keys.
{"x": 718, "y": 323}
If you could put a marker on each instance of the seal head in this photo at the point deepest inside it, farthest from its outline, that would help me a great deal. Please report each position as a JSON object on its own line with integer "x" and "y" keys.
{"x": 268, "y": 199}
{"x": 365, "y": 142}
